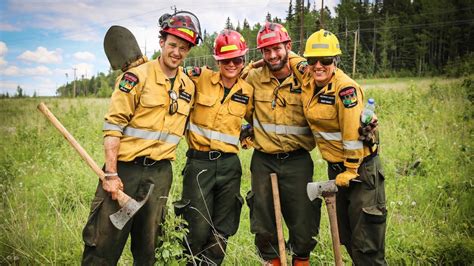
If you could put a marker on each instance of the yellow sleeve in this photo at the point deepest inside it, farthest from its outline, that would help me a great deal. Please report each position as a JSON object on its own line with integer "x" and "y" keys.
{"x": 350, "y": 105}
{"x": 122, "y": 104}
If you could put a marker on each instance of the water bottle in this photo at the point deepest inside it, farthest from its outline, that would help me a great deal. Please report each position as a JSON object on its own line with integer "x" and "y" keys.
{"x": 368, "y": 112}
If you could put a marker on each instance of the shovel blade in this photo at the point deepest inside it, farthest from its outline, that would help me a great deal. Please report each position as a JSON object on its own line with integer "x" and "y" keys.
{"x": 122, "y": 216}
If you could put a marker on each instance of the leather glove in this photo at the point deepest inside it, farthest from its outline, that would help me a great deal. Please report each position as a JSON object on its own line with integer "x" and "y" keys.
{"x": 342, "y": 179}
{"x": 368, "y": 133}
{"x": 245, "y": 131}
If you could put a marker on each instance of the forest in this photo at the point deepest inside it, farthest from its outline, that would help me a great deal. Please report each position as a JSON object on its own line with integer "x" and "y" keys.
{"x": 392, "y": 38}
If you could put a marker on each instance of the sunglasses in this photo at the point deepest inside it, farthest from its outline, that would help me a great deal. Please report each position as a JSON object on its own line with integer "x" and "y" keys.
{"x": 173, "y": 102}
{"x": 325, "y": 61}
{"x": 236, "y": 60}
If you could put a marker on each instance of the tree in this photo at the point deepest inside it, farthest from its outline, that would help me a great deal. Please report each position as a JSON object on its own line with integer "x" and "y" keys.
{"x": 228, "y": 24}
{"x": 19, "y": 92}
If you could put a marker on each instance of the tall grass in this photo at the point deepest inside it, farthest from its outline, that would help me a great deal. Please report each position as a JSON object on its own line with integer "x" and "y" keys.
{"x": 427, "y": 135}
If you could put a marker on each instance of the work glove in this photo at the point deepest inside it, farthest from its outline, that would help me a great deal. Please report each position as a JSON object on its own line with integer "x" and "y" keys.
{"x": 246, "y": 136}
{"x": 368, "y": 134}
{"x": 112, "y": 185}
{"x": 343, "y": 179}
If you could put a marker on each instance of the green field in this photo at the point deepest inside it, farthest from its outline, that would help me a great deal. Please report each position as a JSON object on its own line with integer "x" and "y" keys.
{"x": 427, "y": 135}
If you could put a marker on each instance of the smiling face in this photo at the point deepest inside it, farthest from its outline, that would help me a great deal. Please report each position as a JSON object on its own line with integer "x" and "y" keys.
{"x": 230, "y": 68}
{"x": 173, "y": 51}
{"x": 276, "y": 56}
{"x": 322, "y": 74}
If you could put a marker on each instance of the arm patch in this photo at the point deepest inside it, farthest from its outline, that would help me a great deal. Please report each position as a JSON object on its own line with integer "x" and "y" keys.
{"x": 191, "y": 71}
{"x": 128, "y": 82}
{"x": 302, "y": 66}
{"x": 348, "y": 97}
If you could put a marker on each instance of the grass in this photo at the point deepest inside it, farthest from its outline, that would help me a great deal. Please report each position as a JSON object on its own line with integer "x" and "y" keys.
{"x": 427, "y": 135}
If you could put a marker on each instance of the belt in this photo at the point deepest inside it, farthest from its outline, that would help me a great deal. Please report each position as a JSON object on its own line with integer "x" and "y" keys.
{"x": 144, "y": 161}
{"x": 208, "y": 155}
{"x": 339, "y": 167}
{"x": 284, "y": 155}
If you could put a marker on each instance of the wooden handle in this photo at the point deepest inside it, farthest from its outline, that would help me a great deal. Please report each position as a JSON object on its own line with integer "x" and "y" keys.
{"x": 276, "y": 204}
{"x": 122, "y": 198}
{"x": 330, "y": 200}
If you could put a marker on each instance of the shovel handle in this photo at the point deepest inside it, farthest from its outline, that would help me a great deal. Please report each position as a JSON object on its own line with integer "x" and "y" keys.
{"x": 279, "y": 226}
{"x": 330, "y": 200}
{"x": 122, "y": 198}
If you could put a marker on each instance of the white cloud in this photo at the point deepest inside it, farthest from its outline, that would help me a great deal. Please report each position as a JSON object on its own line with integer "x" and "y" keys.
{"x": 42, "y": 55}
{"x": 3, "y": 49}
{"x": 8, "y": 27}
{"x": 3, "y": 62}
{"x": 10, "y": 71}
{"x": 84, "y": 56}
{"x": 35, "y": 71}
{"x": 83, "y": 69}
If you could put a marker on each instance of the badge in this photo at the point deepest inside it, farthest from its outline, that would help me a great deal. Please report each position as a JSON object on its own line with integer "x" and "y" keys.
{"x": 327, "y": 99}
{"x": 185, "y": 96}
{"x": 301, "y": 66}
{"x": 191, "y": 71}
{"x": 348, "y": 97}
{"x": 128, "y": 82}
{"x": 240, "y": 98}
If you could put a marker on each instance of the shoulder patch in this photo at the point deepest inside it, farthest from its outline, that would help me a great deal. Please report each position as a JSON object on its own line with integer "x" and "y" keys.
{"x": 301, "y": 66}
{"x": 128, "y": 82}
{"x": 237, "y": 97}
{"x": 348, "y": 97}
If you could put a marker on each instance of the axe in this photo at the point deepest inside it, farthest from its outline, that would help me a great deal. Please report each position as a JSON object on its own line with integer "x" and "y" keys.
{"x": 328, "y": 189}
{"x": 129, "y": 205}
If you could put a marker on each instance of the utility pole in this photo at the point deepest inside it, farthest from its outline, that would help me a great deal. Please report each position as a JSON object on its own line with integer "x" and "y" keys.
{"x": 74, "y": 84}
{"x": 321, "y": 14}
{"x": 356, "y": 37}
{"x": 301, "y": 28}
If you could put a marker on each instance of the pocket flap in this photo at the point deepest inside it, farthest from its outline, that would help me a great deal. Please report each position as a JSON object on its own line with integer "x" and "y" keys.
{"x": 205, "y": 100}
{"x": 375, "y": 214}
{"x": 152, "y": 100}
{"x": 262, "y": 95}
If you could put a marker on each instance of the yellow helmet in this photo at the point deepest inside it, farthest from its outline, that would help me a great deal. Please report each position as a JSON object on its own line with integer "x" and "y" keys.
{"x": 322, "y": 43}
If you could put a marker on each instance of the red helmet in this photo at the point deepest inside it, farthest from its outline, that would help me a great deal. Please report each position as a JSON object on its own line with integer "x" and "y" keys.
{"x": 229, "y": 44}
{"x": 182, "y": 24}
{"x": 272, "y": 33}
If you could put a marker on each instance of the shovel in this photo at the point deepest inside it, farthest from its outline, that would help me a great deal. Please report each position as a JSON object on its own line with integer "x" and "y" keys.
{"x": 129, "y": 205}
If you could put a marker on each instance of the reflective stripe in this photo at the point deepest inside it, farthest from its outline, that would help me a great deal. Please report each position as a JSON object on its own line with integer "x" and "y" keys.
{"x": 268, "y": 35}
{"x": 215, "y": 135}
{"x": 328, "y": 135}
{"x": 352, "y": 144}
{"x": 151, "y": 135}
{"x": 109, "y": 126}
{"x": 320, "y": 45}
{"x": 282, "y": 129}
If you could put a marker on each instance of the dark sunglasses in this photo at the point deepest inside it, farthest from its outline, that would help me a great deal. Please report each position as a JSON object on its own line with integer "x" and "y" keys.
{"x": 236, "y": 60}
{"x": 325, "y": 61}
{"x": 173, "y": 102}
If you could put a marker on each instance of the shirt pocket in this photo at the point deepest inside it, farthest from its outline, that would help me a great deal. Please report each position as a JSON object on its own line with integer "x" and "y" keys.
{"x": 261, "y": 95}
{"x": 294, "y": 107}
{"x": 325, "y": 111}
{"x": 150, "y": 99}
{"x": 206, "y": 100}
{"x": 237, "y": 108}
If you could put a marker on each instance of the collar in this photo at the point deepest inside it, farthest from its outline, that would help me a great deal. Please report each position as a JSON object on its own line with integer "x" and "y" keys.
{"x": 161, "y": 78}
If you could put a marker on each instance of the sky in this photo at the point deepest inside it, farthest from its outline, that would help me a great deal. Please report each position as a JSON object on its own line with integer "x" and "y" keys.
{"x": 43, "y": 41}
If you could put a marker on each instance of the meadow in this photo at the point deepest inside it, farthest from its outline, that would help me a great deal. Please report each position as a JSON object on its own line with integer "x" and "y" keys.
{"x": 426, "y": 128}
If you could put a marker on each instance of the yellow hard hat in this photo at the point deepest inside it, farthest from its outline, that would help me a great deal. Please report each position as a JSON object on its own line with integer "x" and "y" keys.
{"x": 322, "y": 43}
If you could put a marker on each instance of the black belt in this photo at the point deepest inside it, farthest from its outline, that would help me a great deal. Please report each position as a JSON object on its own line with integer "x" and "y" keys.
{"x": 339, "y": 167}
{"x": 145, "y": 161}
{"x": 284, "y": 155}
{"x": 208, "y": 155}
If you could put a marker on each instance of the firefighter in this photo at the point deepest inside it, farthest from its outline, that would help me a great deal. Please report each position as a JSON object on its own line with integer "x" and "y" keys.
{"x": 282, "y": 141}
{"x": 333, "y": 103}
{"x": 145, "y": 121}
{"x": 211, "y": 202}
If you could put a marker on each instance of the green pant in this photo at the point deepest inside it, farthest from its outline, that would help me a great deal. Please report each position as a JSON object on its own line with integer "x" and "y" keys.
{"x": 212, "y": 189}
{"x": 361, "y": 213}
{"x": 103, "y": 242}
{"x": 300, "y": 214}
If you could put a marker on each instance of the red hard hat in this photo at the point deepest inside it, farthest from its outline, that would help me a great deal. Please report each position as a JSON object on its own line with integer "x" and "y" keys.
{"x": 229, "y": 44}
{"x": 272, "y": 33}
{"x": 182, "y": 24}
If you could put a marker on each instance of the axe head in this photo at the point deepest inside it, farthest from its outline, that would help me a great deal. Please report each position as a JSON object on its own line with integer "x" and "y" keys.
{"x": 120, "y": 218}
{"x": 316, "y": 189}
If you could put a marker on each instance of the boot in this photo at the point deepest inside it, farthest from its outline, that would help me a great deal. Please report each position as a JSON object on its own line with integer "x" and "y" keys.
{"x": 272, "y": 262}
{"x": 300, "y": 261}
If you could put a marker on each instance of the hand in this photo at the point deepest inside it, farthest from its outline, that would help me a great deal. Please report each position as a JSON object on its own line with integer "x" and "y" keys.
{"x": 245, "y": 131}
{"x": 247, "y": 143}
{"x": 258, "y": 64}
{"x": 343, "y": 179}
{"x": 368, "y": 133}
{"x": 112, "y": 185}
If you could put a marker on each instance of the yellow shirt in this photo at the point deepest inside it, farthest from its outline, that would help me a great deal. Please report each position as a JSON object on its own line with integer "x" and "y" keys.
{"x": 215, "y": 124}
{"x": 278, "y": 120}
{"x": 139, "y": 112}
{"x": 333, "y": 114}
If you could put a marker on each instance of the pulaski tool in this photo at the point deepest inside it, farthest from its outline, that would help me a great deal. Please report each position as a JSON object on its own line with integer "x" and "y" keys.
{"x": 327, "y": 190}
{"x": 129, "y": 205}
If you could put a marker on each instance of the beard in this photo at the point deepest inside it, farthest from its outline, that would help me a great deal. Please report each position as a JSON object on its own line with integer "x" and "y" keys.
{"x": 278, "y": 67}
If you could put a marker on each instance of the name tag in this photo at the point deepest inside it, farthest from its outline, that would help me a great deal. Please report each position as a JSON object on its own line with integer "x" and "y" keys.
{"x": 327, "y": 99}
{"x": 185, "y": 96}
{"x": 240, "y": 98}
